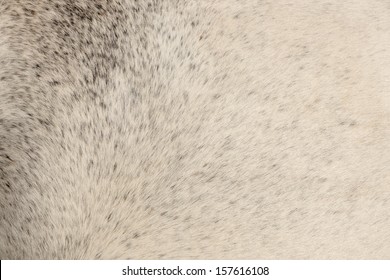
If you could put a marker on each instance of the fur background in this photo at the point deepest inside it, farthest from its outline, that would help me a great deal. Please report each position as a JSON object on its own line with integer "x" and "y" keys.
{"x": 207, "y": 129}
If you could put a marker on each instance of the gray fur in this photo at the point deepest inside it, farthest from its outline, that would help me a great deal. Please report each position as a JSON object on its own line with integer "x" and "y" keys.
{"x": 194, "y": 129}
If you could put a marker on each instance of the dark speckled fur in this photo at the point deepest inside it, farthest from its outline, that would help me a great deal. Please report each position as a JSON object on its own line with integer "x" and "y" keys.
{"x": 194, "y": 129}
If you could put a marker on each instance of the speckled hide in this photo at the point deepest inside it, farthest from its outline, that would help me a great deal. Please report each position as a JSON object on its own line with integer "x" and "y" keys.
{"x": 207, "y": 129}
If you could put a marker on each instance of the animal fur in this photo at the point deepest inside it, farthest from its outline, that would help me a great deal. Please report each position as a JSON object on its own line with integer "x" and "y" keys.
{"x": 207, "y": 129}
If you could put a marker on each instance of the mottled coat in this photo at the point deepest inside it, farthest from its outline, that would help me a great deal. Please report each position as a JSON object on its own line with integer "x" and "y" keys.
{"x": 194, "y": 129}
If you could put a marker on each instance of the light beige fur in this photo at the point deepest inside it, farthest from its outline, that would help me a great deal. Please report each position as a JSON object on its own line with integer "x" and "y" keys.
{"x": 208, "y": 129}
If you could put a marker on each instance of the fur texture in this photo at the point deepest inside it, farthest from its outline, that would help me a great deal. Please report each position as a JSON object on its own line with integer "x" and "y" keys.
{"x": 202, "y": 129}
